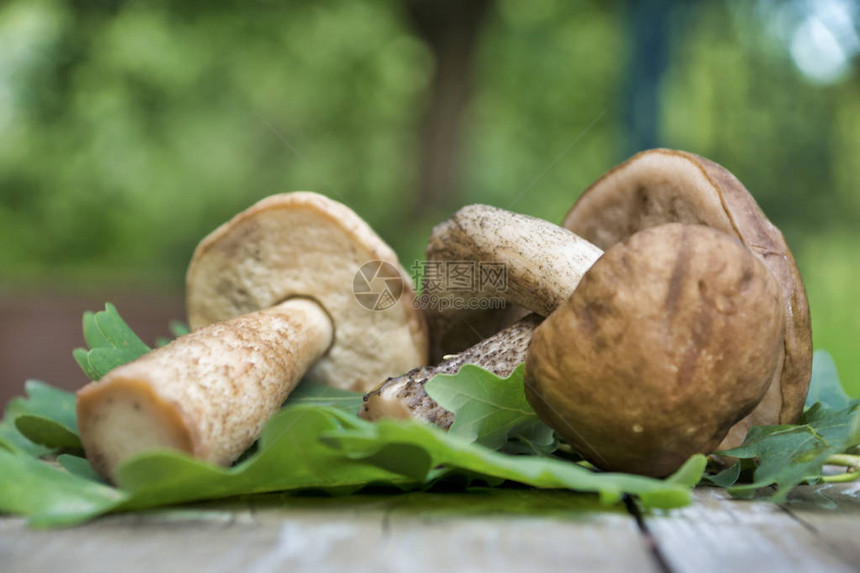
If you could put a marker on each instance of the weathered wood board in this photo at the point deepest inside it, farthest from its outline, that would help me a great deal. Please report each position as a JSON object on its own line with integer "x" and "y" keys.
{"x": 484, "y": 530}
{"x": 718, "y": 533}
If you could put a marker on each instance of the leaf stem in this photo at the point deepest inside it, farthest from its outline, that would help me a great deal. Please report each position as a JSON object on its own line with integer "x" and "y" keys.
{"x": 845, "y": 460}
{"x": 841, "y": 478}
{"x": 849, "y": 461}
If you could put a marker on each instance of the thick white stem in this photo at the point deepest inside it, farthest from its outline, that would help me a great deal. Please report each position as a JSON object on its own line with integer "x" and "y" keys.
{"x": 207, "y": 393}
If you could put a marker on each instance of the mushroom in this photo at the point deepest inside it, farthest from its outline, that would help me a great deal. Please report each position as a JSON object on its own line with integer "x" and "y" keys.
{"x": 527, "y": 263}
{"x": 663, "y": 186}
{"x": 670, "y": 339}
{"x": 270, "y": 298}
{"x": 542, "y": 263}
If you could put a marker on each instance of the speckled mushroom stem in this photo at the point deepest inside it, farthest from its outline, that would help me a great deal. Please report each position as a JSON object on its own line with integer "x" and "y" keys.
{"x": 207, "y": 393}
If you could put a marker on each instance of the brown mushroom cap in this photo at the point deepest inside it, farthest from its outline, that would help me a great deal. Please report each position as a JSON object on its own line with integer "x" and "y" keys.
{"x": 669, "y": 340}
{"x": 305, "y": 245}
{"x": 663, "y": 186}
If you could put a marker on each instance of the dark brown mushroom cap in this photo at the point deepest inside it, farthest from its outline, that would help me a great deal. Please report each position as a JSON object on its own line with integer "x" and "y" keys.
{"x": 662, "y": 186}
{"x": 670, "y": 339}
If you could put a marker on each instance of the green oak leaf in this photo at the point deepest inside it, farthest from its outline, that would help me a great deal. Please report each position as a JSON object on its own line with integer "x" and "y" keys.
{"x": 11, "y": 439}
{"x": 824, "y": 387}
{"x": 48, "y": 416}
{"x": 177, "y": 329}
{"x": 309, "y": 447}
{"x": 491, "y": 410}
{"x": 290, "y": 456}
{"x": 112, "y": 343}
{"x": 40, "y": 422}
{"x": 79, "y": 466}
{"x": 51, "y": 496}
{"x": 427, "y": 449}
{"x": 788, "y": 455}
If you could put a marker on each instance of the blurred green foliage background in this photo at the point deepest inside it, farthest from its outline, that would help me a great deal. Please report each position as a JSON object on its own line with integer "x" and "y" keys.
{"x": 129, "y": 130}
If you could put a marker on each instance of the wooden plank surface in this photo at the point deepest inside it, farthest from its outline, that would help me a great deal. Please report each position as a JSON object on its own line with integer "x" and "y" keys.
{"x": 511, "y": 530}
{"x": 718, "y": 533}
{"x": 832, "y": 514}
{"x": 484, "y": 530}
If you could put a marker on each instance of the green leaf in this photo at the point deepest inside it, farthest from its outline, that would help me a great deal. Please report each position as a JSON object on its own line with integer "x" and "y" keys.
{"x": 51, "y": 496}
{"x": 291, "y": 456}
{"x": 690, "y": 474}
{"x": 824, "y": 388}
{"x": 79, "y": 466}
{"x": 46, "y": 432}
{"x": 319, "y": 448}
{"x": 387, "y": 443}
{"x": 789, "y": 455}
{"x": 47, "y": 416}
{"x": 112, "y": 343}
{"x": 312, "y": 393}
{"x": 726, "y": 478}
{"x": 177, "y": 329}
{"x": 490, "y": 410}
{"x": 11, "y": 439}
{"x": 43, "y": 421}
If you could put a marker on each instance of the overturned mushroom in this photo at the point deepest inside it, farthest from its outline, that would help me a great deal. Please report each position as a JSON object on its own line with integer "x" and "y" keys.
{"x": 663, "y": 186}
{"x": 528, "y": 264}
{"x": 543, "y": 264}
{"x": 275, "y": 287}
{"x": 669, "y": 340}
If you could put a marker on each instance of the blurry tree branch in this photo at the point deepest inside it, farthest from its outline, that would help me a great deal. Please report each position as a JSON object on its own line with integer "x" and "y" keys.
{"x": 450, "y": 28}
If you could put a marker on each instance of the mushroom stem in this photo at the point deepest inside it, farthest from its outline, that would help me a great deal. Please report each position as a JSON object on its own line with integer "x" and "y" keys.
{"x": 207, "y": 393}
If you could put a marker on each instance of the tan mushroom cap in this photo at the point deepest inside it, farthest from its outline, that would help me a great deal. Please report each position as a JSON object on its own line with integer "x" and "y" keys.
{"x": 661, "y": 186}
{"x": 670, "y": 339}
{"x": 302, "y": 244}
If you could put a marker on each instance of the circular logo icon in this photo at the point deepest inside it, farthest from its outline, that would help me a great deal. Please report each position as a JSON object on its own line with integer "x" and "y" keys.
{"x": 377, "y": 285}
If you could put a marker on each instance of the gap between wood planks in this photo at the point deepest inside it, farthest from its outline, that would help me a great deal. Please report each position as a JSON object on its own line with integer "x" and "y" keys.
{"x": 650, "y": 540}
{"x": 815, "y": 529}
